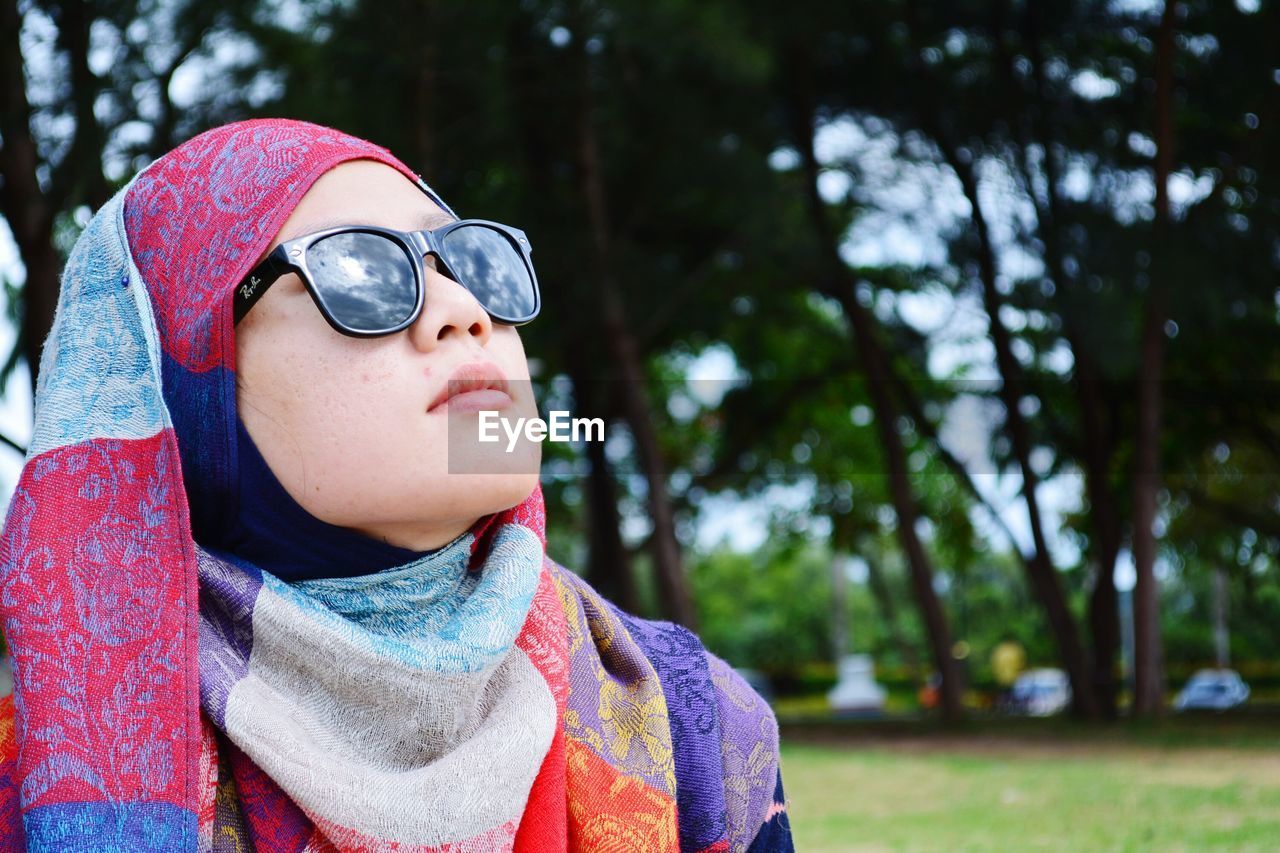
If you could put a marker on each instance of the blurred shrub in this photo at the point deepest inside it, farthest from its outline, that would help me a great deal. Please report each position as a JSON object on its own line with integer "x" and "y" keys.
{"x": 768, "y": 610}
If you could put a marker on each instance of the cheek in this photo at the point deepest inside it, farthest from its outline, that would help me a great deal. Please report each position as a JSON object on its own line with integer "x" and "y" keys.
{"x": 340, "y": 399}
{"x": 309, "y": 392}
{"x": 363, "y": 409}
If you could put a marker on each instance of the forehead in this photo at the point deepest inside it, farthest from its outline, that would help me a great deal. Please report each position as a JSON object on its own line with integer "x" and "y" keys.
{"x": 362, "y": 192}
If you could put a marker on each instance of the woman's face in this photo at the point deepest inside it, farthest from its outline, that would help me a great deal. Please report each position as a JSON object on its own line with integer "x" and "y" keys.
{"x": 346, "y": 423}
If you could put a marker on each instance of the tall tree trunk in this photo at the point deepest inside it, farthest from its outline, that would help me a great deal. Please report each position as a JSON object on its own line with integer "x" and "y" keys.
{"x": 1043, "y": 576}
{"x": 189, "y": 31}
{"x": 624, "y": 352}
{"x": 1221, "y": 636}
{"x": 422, "y": 100}
{"x": 905, "y": 507}
{"x": 839, "y": 608}
{"x": 1040, "y": 572}
{"x": 880, "y": 589}
{"x": 1104, "y": 514}
{"x": 25, "y": 207}
{"x": 843, "y": 287}
{"x": 81, "y": 175}
{"x": 1104, "y": 618}
{"x": 1148, "y": 699}
{"x": 609, "y": 562}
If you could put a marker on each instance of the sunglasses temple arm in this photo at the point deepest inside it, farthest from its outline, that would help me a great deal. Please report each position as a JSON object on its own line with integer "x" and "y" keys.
{"x": 253, "y": 285}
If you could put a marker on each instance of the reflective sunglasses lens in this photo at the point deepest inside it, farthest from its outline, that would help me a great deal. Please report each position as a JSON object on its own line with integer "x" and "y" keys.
{"x": 488, "y": 264}
{"x": 365, "y": 280}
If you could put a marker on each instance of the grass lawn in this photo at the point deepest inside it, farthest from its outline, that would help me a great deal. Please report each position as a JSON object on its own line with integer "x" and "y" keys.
{"x": 1171, "y": 787}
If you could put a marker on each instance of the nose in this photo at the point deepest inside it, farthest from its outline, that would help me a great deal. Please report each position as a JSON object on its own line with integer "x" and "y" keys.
{"x": 449, "y": 310}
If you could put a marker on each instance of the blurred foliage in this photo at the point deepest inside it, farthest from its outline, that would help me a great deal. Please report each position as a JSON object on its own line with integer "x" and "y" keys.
{"x": 769, "y": 609}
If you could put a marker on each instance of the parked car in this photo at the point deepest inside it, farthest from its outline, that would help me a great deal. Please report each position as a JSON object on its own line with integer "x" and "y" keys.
{"x": 1039, "y": 693}
{"x": 1212, "y": 690}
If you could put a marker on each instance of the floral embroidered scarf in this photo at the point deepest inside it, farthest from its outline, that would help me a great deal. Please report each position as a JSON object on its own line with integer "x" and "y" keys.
{"x": 170, "y": 696}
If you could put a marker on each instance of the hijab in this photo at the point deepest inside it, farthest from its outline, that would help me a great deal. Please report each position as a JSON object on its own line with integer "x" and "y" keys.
{"x": 186, "y": 680}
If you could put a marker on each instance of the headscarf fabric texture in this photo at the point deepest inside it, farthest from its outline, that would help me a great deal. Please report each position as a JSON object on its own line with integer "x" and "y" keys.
{"x": 172, "y": 696}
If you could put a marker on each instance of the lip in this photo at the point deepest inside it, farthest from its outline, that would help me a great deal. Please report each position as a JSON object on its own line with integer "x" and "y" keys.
{"x": 473, "y": 386}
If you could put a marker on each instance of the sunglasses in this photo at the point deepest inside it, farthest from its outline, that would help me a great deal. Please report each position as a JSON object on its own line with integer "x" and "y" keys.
{"x": 369, "y": 281}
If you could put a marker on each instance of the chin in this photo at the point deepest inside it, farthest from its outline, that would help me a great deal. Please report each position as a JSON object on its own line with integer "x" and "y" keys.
{"x": 508, "y": 480}
{"x": 511, "y": 489}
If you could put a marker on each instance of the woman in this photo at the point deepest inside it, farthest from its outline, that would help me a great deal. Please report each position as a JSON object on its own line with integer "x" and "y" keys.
{"x": 253, "y": 601}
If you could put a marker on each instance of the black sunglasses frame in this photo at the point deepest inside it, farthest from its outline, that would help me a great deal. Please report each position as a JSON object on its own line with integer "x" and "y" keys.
{"x": 291, "y": 256}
